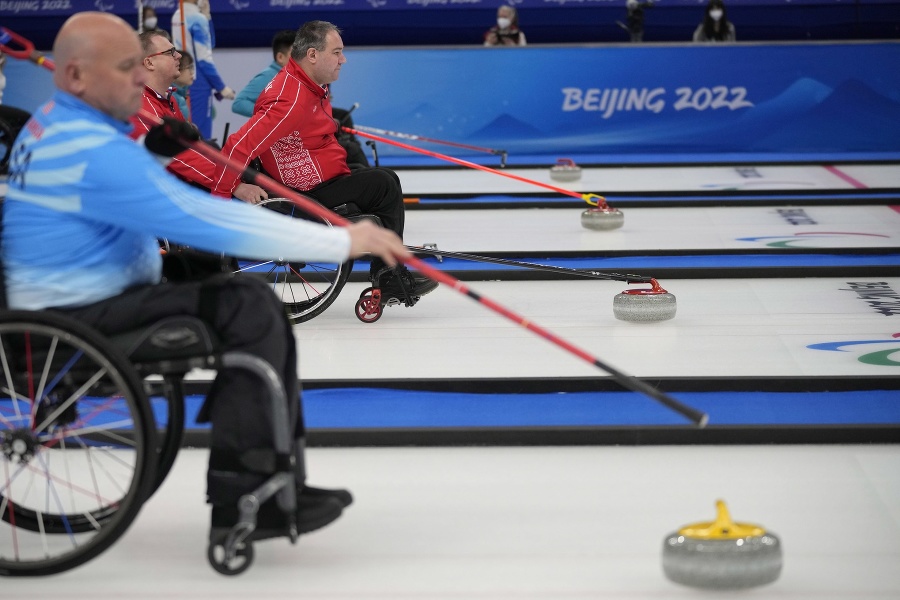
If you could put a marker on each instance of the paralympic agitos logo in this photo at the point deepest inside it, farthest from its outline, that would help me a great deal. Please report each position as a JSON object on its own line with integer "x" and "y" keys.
{"x": 808, "y": 239}
{"x": 882, "y": 357}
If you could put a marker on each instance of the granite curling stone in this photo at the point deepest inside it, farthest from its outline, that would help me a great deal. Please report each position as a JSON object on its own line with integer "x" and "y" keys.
{"x": 602, "y": 218}
{"x": 722, "y": 555}
{"x": 645, "y": 305}
{"x": 565, "y": 169}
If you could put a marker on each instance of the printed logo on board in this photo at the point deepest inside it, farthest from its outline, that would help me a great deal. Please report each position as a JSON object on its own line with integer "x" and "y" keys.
{"x": 16, "y": 6}
{"x": 881, "y": 358}
{"x": 878, "y": 295}
{"x": 611, "y": 100}
{"x": 809, "y": 239}
{"x": 796, "y": 216}
{"x": 158, "y": 5}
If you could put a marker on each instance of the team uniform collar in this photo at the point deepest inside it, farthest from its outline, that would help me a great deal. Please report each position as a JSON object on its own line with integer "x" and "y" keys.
{"x": 294, "y": 69}
{"x": 70, "y": 102}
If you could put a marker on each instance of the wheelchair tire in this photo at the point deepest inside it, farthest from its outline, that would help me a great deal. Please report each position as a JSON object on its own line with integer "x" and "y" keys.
{"x": 305, "y": 289}
{"x": 77, "y": 443}
{"x": 170, "y": 436}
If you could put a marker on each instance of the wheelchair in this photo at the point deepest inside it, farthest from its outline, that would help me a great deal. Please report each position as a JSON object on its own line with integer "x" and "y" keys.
{"x": 81, "y": 449}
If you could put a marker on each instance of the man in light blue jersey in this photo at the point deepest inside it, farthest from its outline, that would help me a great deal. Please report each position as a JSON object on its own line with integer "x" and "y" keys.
{"x": 84, "y": 208}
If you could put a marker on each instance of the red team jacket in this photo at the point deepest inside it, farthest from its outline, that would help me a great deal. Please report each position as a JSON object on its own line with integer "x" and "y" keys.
{"x": 291, "y": 131}
{"x": 190, "y": 165}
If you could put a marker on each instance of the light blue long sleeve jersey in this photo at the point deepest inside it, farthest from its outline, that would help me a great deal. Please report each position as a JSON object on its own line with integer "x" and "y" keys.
{"x": 85, "y": 206}
{"x": 245, "y": 101}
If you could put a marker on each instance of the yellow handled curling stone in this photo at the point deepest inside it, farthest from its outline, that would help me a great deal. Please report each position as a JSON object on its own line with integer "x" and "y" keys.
{"x": 722, "y": 554}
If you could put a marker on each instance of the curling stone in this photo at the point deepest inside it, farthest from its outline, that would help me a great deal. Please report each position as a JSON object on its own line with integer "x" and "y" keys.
{"x": 602, "y": 218}
{"x": 645, "y": 304}
{"x": 722, "y": 555}
{"x": 565, "y": 169}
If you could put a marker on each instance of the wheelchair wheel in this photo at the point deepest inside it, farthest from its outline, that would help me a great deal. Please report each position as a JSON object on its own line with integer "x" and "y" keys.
{"x": 168, "y": 411}
{"x": 77, "y": 444}
{"x": 306, "y": 289}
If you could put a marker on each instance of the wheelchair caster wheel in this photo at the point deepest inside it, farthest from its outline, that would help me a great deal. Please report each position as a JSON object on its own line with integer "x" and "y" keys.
{"x": 240, "y": 562}
{"x": 368, "y": 307}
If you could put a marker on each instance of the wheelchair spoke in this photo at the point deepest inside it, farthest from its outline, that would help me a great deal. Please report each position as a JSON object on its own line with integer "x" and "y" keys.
{"x": 253, "y": 265}
{"x": 44, "y": 374}
{"x": 7, "y": 510}
{"x": 305, "y": 282}
{"x": 9, "y": 379}
{"x": 71, "y": 399}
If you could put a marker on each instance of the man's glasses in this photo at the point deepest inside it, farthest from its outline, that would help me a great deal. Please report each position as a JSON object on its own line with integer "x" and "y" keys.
{"x": 171, "y": 52}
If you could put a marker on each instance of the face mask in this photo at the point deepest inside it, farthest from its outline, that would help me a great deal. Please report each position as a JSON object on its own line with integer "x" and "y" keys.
{"x": 503, "y": 22}
{"x": 2, "y": 85}
{"x": 715, "y": 14}
{"x": 150, "y": 23}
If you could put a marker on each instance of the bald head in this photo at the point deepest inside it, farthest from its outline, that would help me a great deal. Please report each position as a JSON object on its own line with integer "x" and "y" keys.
{"x": 98, "y": 59}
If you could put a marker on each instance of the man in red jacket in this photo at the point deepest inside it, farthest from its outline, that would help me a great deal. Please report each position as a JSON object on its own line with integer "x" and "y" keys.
{"x": 292, "y": 132}
{"x": 163, "y": 65}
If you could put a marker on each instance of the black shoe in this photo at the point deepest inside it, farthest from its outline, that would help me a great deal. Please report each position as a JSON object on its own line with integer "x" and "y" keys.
{"x": 415, "y": 287}
{"x": 342, "y": 496}
{"x": 313, "y": 512}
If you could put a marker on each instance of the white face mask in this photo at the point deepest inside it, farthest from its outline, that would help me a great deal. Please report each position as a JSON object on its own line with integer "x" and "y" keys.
{"x": 715, "y": 14}
{"x": 150, "y": 23}
{"x": 503, "y": 22}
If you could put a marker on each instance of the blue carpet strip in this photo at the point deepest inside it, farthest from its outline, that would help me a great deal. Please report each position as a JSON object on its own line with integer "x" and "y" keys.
{"x": 381, "y": 416}
{"x": 658, "y": 200}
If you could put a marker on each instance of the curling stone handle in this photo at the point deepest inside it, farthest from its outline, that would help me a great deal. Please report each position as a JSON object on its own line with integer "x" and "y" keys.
{"x": 654, "y": 288}
{"x": 723, "y": 528}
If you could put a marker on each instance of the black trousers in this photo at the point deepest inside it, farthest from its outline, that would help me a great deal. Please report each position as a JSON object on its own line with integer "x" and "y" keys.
{"x": 248, "y": 317}
{"x": 375, "y": 190}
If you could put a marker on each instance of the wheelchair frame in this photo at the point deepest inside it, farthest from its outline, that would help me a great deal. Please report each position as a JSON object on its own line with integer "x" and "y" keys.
{"x": 79, "y": 448}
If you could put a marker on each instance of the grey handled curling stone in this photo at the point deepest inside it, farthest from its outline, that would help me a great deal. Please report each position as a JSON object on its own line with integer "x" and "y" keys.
{"x": 601, "y": 216}
{"x": 645, "y": 305}
{"x": 722, "y": 554}
{"x": 565, "y": 169}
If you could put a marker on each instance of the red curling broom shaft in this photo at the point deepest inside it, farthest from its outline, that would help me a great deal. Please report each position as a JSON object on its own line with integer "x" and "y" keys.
{"x": 464, "y": 163}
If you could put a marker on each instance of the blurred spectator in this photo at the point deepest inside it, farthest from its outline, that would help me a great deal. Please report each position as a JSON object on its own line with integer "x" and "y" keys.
{"x": 183, "y": 84}
{"x": 715, "y": 26}
{"x": 281, "y": 52}
{"x": 634, "y": 22}
{"x": 201, "y": 39}
{"x": 149, "y": 21}
{"x": 506, "y": 32}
